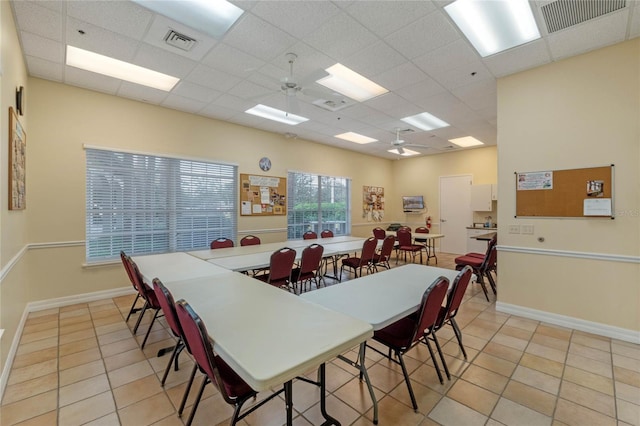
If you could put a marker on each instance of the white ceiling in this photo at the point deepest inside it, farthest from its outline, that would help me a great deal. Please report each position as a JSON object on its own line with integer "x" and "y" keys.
{"x": 411, "y": 48}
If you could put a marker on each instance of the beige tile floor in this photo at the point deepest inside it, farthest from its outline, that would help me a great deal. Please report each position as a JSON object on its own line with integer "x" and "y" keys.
{"x": 81, "y": 365}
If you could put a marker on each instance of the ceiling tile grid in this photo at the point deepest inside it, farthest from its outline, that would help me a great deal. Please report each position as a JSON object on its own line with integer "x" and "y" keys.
{"x": 412, "y": 48}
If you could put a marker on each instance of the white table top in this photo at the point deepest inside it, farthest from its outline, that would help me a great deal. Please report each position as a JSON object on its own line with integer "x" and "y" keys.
{"x": 174, "y": 266}
{"x": 269, "y": 247}
{"x": 382, "y": 298}
{"x": 250, "y": 261}
{"x": 267, "y": 335}
{"x": 418, "y": 235}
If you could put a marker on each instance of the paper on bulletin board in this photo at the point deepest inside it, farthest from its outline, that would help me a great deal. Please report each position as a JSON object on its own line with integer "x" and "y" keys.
{"x": 246, "y": 207}
{"x": 597, "y": 207}
{"x": 535, "y": 180}
{"x": 265, "y": 195}
{"x": 257, "y": 208}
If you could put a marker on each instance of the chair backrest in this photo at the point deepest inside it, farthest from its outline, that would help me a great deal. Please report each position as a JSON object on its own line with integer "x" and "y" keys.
{"x": 281, "y": 264}
{"x": 456, "y": 294}
{"x": 168, "y": 306}
{"x": 387, "y": 248}
{"x": 309, "y": 235}
{"x": 201, "y": 347}
{"x": 379, "y": 233}
{"x": 489, "y": 259}
{"x": 368, "y": 250}
{"x": 144, "y": 290}
{"x": 430, "y": 307}
{"x": 250, "y": 240}
{"x": 221, "y": 243}
{"x": 406, "y": 228}
{"x": 127, "y": 268}
{"x": 311, "y": 258}
{"x": 326, "y": 233}
{"x": 422, "y": 230}
{"x": 404, "y": 237}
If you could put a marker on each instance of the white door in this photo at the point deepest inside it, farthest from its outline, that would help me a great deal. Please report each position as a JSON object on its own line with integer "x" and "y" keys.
{"x": 455, "y": 212}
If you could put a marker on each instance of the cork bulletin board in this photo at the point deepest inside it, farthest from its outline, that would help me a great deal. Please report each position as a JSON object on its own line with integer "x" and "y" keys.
{"x": 586, "y": 192}
{"x": 263, "y": 195}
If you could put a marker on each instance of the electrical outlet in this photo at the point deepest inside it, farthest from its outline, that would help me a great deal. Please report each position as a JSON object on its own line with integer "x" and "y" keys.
{"x": 527, "y": 229}
{"x": 514, "y": 229}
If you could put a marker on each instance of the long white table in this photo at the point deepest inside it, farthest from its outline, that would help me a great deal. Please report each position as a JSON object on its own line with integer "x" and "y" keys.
{"x": 429, "y": 241}
{"x": 268, "y": 336}
{"x": 175, "y": 266}
{"x": 270, "y": 247}
{"x": 379, "y": 299}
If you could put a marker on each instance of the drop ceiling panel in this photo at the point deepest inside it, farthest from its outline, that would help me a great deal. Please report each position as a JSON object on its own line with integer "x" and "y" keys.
{"x": 42, "y": 68}
{"x": 43, "y": 48}
{"x": 91, "y": 80}
{"x": 231, "y": 60}
{"x": 401, "y": 76}
{"x": 420, "y": 90}
{"x": 142, "y": 93}
{"x": 453, "y": 55}
{"x": 165, "y": 62}
{"x": 370, "y": 65}
{"x": 256, "y": 37}
{"x": 183, "y": 104}
{"x": 386, "y": 17}
{"x": 428, "y": 33}
{"x": 39, "y": 20}
{"x": 341, "y": 37}
{"x": 161, "y": 26}
{"x": 195, "y": 92}
{"x": 527, "y": 56}
{"x": 123, "y": 17}
{"x": 213, "y": 79}
{"x": 99, "y": 40}
{"x": 480, "y": 95}
{"x": 296, "y": 18}
{"x": 469, "y": 73}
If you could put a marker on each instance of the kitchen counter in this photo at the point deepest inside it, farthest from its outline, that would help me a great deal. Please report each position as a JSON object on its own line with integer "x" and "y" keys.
{"x": 492, "y": 228}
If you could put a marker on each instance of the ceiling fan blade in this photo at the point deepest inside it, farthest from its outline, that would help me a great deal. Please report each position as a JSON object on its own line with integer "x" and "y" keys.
{"x": 293, "y": 107}
{"x": 400, "y": 150}
{"x": 312, "y": 78}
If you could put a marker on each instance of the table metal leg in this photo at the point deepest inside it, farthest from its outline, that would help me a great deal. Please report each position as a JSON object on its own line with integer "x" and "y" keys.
{"x": 323, "y": 399}
{"x": 360, "y": 365}
{"x": 288, "y": 400}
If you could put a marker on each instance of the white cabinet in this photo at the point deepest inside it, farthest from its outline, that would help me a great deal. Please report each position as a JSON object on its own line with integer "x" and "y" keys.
{"x": 473, "y": 245}
{"x": 481, "y": 198}
{"x": 494, "y": 191}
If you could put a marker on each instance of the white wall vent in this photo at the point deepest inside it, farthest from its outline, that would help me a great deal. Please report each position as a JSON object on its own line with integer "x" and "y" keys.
{"x": 181, "y": 41}
{"x": 562, "y": 14}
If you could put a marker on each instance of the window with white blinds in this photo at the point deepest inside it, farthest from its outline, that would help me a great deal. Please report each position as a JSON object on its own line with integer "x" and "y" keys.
{"x": 316, "y": 203}
{"x": 146, "y": 204}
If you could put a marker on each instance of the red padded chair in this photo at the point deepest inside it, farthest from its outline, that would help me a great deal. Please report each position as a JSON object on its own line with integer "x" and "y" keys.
{"x": 221, "y": 243}
{"x": 406, "y": 245}
{"x": 309, "y": 235}
{"x": 450, "y": 310}
{"x": 382, "y": 258}
{"x": 364, "y": 261}
{"x": 407, "y": 332}
{"x": 127, "y": 268}
{"x": 326, "y": 233}
{"x": 147, "y": 294}
{"x": 280, "y": 266}
{"x": 379, "y": 233}
{"x": 233, "y": 389}
{"x": 309, "y": 269}
{"x": 250, "y": 240}
{"x": 416, "y": 236}
{"x": 482, "y": 267}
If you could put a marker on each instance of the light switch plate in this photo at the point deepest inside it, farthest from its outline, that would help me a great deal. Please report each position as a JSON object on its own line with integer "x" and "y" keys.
{"x": 527, "y": 229}
{"x": 514, "y": 229}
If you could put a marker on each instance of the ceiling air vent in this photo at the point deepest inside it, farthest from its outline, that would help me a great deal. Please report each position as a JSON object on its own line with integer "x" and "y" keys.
{"x": 181, "y": 41}
{"x": 562, "y": 14}
{"x": 332, "y": 105}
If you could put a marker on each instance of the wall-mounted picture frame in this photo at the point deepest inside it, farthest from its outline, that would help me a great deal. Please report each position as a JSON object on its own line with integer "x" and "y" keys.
{"x": 17, "y": 163}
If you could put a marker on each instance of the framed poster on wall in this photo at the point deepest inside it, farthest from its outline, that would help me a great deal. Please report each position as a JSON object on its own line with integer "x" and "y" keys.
{"x": 17, "y": 163}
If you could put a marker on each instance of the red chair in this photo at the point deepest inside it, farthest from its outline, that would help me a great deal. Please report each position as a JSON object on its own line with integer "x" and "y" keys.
{"x": 326, "y": 233}
{"x": 379, "y": 233}
{"x": 309, "y": 269}
{"x": 364, "y": 261}
{"x": 407, "y": 332}
{"x": 382, "y": 258}
{"x": 406, "y": 245}
{"x": 309, "y": 235}
{"x": 233, "y": 389}
{"x": 127, "y": 268}
{"x": 280, "y": 266}
{"x": 450, "y": 310}
{"x": 146, "y": 293}
{"x": 482, "y": 267}
{"x": 221, "y": 243}
{"x": 250, "y": 240}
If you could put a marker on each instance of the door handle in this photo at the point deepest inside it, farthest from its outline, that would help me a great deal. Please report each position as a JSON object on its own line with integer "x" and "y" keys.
{"x": 443, "y": 220}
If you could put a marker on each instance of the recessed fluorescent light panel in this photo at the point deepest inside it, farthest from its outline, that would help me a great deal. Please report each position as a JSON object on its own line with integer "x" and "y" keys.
{"x": 425, "y": 121}
{"x": 105, "y": 65}
{"x": 466, "y": 141}
{"x": 351, "y": 84}
{"x": 212, "y": 17}
{"x": 276, "y": 115}
{"x": 496, "y": 25}
{"x": 405, "y": 152}
{"x": 355, "y": 137}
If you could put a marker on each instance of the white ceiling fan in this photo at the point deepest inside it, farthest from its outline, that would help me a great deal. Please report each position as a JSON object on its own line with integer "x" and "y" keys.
{"x": 290, "y": 85}
{"x": 400, "y": 144}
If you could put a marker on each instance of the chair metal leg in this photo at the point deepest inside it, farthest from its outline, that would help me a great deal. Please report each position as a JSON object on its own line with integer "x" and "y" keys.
{"x": 146, "y": 336}
{"x": 407, "y": 381}
{"x": 491, "y": 281}
{"x": 186, "y": 391}
{"x": 197, "y": 401}
{"x": 174, "y": 356}
{"x": 144, "y": 309}
{"x": 133, "y": 307}
{"x": 444, "y": 363}
{"x": 435, "y": 363}
{"x": 458, "y": 333}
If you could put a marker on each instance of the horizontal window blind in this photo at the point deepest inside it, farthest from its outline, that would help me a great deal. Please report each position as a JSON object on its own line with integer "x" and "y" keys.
{"x": 146, "y": 204}
{"x": 316, "y": 203}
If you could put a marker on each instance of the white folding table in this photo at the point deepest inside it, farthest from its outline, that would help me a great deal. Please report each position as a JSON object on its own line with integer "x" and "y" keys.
{"x": 379, "y": 299}
{"x": 174, "y": 266}
{"x": 429, "y": 241}
{"x": 268, "y": 336}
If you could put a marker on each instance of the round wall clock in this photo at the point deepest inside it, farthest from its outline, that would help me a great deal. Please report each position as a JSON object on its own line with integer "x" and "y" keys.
{"x": 265, "y": 164}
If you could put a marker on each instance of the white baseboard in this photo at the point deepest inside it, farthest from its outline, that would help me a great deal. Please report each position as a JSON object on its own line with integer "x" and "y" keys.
{"x": 49, "y": 304}
{"x": 627, "y": 335}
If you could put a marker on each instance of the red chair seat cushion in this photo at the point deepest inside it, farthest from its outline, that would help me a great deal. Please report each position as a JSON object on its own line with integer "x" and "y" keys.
{"x": 397, "y": 335}
{"x": 474, "y": 262}
{"x": 235, "y": 386}
{"x": 480, "y": 255}
{"x": 353, "y": 262}
{"x": 412, "y": 247}
{"x": 297, "y": 276}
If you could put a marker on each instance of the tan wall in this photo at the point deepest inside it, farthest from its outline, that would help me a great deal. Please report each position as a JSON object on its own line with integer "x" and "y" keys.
{"x": 579, "y": 112}
{"x": 13, "y": 224}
